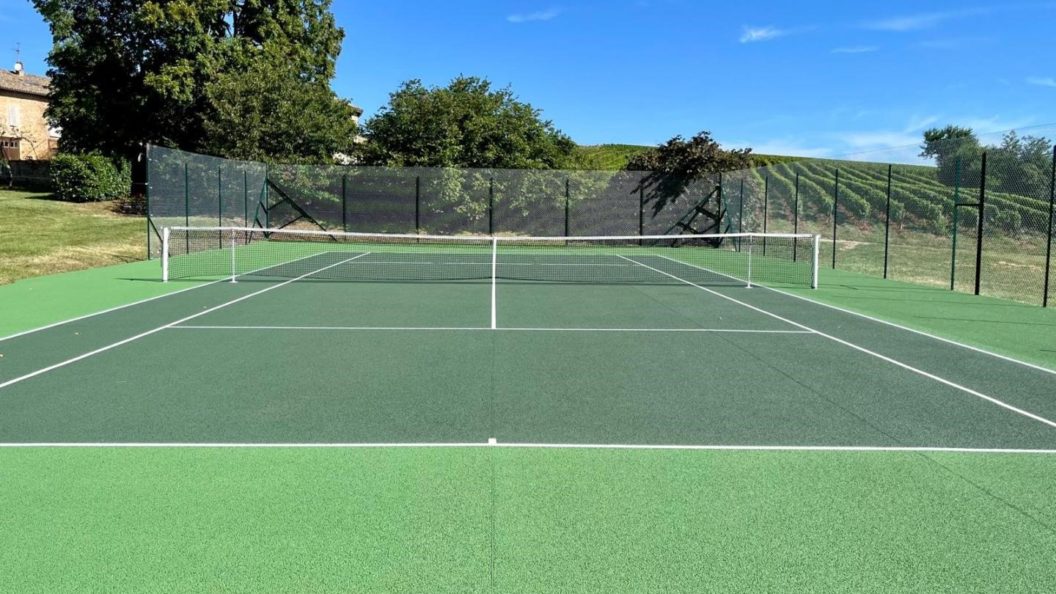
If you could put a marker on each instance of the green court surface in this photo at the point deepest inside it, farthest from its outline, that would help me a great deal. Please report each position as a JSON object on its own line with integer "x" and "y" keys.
{"x": 326, "y": 432}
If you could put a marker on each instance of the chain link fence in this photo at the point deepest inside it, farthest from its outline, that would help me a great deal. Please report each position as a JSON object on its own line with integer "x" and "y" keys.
{"x": 912, "y": 222}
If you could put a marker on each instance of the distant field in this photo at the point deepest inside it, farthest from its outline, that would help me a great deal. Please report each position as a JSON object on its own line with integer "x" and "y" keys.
{"x": 612, "y": 157}
{"x": 608, "y": 157}
{"x": 39, "y": 235}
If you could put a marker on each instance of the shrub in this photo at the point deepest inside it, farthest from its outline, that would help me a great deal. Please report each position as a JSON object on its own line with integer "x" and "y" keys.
{"x": 89, "y": 178}
{"x": 1009, "y": 221}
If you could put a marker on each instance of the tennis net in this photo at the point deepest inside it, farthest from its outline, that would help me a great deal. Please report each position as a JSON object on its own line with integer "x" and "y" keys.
{"x": 736, "y": 259}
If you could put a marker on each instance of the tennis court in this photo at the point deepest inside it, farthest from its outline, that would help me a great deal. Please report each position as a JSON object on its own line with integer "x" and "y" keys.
{"x": 470, "y": 343}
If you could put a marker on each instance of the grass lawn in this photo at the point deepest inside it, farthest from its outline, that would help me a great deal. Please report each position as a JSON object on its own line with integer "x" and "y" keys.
{"x": 39, "y": 235}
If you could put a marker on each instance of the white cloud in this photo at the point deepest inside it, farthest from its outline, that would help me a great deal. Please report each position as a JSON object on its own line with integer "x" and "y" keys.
{"x": 528, "y": 17}
{"x": 754, "y": 34}
{"x": 916, "y": 22}
{"x": 856, "y": 49}
{"x": 782, "y": 146}
{"x": 1042, "y": 81}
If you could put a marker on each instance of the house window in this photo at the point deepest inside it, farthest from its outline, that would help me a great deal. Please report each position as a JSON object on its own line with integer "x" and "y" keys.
{"x": 14, "y": 116}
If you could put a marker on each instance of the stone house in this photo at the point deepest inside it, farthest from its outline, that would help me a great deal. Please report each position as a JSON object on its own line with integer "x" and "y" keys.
{"x": 24, "y": 133}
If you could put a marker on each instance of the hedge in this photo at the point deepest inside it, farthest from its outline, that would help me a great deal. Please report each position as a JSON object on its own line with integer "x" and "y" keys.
{"x": 89, "y": 178}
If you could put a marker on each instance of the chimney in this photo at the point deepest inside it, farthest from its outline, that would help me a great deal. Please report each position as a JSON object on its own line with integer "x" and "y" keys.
{"x": 19, "y": 69}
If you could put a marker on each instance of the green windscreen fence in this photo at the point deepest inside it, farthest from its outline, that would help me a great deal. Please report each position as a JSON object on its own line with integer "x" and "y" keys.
{"x": 916, "y": 222}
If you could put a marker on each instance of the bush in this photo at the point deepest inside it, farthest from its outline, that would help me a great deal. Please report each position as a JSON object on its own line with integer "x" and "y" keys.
{"x": 89, "y": 178}
{"x": 1009, "y": 221}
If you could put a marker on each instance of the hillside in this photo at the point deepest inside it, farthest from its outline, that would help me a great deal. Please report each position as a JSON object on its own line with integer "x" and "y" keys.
{"x": 612, "y": 157}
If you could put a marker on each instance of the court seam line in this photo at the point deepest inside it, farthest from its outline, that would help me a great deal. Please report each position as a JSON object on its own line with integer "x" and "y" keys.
{"x": 134, "y": 303}
{"x": 474, "y": 328}
{"x": 862, "y": 349}
{"x": 881, "y": 321}
{"x": 524, "y": 445}
{"x": 114, "y": 345}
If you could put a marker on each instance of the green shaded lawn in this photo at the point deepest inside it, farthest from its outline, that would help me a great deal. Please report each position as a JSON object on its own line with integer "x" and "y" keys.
{"x": 40, "y": 236}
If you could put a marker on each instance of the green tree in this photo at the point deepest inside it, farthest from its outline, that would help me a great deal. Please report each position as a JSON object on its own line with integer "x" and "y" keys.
{"x": 956, "y": 151}
{"x": 125, "y": 72}
{"x": 1019, "y": 165}
{"x": 465, "y": 124}
{"x": 681, "y": 168}
{"x": 266, "y": 111}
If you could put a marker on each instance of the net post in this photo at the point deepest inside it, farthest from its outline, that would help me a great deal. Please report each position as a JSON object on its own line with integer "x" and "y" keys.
{"x": 814, "y": 261}
{"x": 751, "y": 241}
{"x": 491, "y": 206}
{"x": 494, "y": 279}
{"x": 234, "y": 267}
{"x": 165, "y": 254}
{"x": 979, "y": 227}
{"x": 1048, "y": 244}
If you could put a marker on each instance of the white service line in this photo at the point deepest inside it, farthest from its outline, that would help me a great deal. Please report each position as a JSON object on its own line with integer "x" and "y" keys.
{"x": 169, "y": 325}
{"x": 492, "y": 443}
{"x": 470, "y": 329}
{"x": 862, "y": 349}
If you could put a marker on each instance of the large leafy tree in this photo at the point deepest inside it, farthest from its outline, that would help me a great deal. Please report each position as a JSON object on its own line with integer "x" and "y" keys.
{"x": 125, "y": 72}
{"x": 680, "y": 165}
{"x": 956, "y": 151}
{"x": 465, "y": 124}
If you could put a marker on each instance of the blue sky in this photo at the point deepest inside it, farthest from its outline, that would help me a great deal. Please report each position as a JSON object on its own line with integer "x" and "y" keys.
{"x": 803, "y": 78}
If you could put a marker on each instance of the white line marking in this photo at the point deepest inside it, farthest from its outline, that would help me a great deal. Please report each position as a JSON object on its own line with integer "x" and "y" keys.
{"x": 862, "y": 349}
{"x": 885, "y": 322}
{"x": 118, "y": 307}
{"x": 515, "y": 445}
{"x": 471, "y": 329}
{"x": 169, "y": 325}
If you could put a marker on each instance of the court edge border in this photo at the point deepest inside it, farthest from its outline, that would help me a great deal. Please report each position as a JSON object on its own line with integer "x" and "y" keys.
{"x": 979, "y": 350}
{"x": 529, "y": 445}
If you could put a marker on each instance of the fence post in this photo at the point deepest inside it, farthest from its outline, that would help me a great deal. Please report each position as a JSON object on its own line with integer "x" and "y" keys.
{"x": 740, "y": 214}
{"x": 835, "y": 207}
{"x": 147, "y": 150}
{"x": 186, "y": 206}
{"x": 641, "y": 213}
{"x": 267, "y": 199}
{"x": 979, "y": 227}
{"x": 344, "y": 203}
{"x": 956, "y": 216}
{"x": 719, "y": 195}
{"x": 1048, "y": 244}
{"x": 491, "y": 206}
{"x": 795, "y": 222}
{"x": 245, "y": 198}
{"x": 766, "y": 208}
{"x": 887, "y": 222}
{"x": 567, "y": 194}
{"x": 220, "y": 201}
